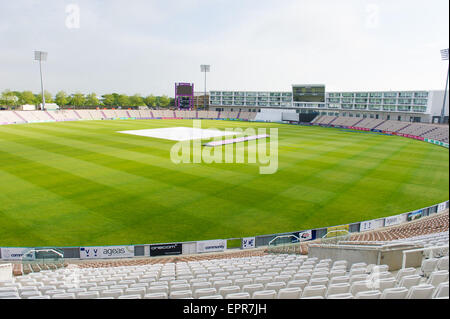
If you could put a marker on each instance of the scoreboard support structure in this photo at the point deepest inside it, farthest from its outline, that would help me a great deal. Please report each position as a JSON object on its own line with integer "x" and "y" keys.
{"x": 184, "y": 95}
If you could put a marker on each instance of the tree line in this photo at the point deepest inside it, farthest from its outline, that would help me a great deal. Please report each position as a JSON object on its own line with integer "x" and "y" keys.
{"x": 18, "y": 98}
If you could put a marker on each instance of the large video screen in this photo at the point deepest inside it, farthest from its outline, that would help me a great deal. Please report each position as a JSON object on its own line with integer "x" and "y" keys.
{"x": 184, "y": 90}
{"x": 308, "y": 93}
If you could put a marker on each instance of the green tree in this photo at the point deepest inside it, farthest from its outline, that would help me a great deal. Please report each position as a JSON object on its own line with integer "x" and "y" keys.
{"x": 28, "y": 97}
{"x": 92, "y": 100}
{"x": 123, "y": 100}
{"x": 108, "y": 99}
{"x": 164, "y": 101}
{"x": 136, "y": 100}
{"x": 9, "y": 98}
{"x": 61, "y": 98}
{"x": 78, "y": 99}
{"x": 47, "y": 95}
{"x": 150, "y": 100}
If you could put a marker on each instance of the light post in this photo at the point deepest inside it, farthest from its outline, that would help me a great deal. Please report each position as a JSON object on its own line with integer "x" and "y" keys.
{"x": 444, "y": 56}
{"x": 204, "y": 68}
{"x": 41, "y": 56}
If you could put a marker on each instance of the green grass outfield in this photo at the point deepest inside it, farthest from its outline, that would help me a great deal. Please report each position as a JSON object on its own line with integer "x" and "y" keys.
{"x": 82, "y": 183}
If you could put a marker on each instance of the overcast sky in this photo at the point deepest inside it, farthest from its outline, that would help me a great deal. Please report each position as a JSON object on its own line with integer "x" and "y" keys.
{"x": 143, "y": 46}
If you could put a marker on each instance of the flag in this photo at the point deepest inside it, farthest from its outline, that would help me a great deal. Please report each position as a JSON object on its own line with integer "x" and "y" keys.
{"x": 444, "y": 54}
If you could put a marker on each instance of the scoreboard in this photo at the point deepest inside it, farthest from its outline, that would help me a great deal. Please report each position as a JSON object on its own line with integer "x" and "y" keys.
{"x": 184, "y": 95}
{"x": 308, "y": 93}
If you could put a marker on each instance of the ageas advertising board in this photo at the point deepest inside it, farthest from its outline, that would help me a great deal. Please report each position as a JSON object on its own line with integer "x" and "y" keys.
{"x": 106, "y": 252}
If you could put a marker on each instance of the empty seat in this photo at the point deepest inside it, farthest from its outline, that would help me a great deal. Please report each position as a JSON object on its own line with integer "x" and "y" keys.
{"x": 222, "y": 283}
{"x": 409, "y": 281}
{"x": 157, "y": 289}
{"x": 437, "y": 277}
{"x": 252, "y": 288}
{"x": 275, "y": 286}
{"x": 135, "y": 291}
{"x": 181, "y": 294}
{"x": 88, "y": 295}
{"x": 319, "y": 282}
{"x": 64, "y": 296}
{"x": 420, "y": 292}
{"x": 212, "y": 297}
{"x": 204, "y": 292}
{"x": 224, "y": 291}
{"x": 339, "y": 280}
{"x": 289, "y": 293}
{"x": 405, "y": 272}
{"x": 335, "y": 289}
{"x": 130, "y": 297}
{"x": 340, "y": 296}
{"x": 115, "y": 293}
{"x": 371, "y": 294}
{"x": 428, "y": 266}
{"x": 156, "y": 295}
{"x": 314, "y": 291}
{"x": 441, "y": 290}
{"x": 265, "y": 294}
{"x": 394, "y": 293}
{"x": 239, "y": 295}
{"x": 297, "y": 284}
{"x": 382, "y": 284}
{"x": 442, "y": 263}
{"x": 360, "y": 286}
{"x": 356, "y": 278}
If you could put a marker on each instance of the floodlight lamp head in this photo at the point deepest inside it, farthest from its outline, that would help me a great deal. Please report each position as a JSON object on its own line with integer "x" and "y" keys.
{"x": 204, "y": 68}
{"x": 40, "y": 55}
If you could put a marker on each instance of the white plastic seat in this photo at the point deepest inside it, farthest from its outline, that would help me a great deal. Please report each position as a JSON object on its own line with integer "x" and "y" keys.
{"x": 156, "y": 295}
{"x": 357, "y": 271}
{"x": 212, "y": 297}
{"x": 239, "y": 295}
{"x": 428, "y": 266}
{"x": 263, "y": 280}
{"x": 115, "y": 293}
{"x": 313, "y": 291}
{"x": 341, "y": 296}
{"x": 360, "y": 286}
{"x": 157, "y": 289}
{"x": 335, "y": 289}
{"x": 442, "y": 263}
{"x": 264, "y": 294}
{"x": 339, "y": 280}
{"x": 297, "y": 284}
{"x": 355, "y": 278}
{"x": 289, "y": 293}
{"x": 275, "y": 286}
{"x": 394, "y": 293}
{"x": 180, "y": 287}
{"x": 141, "y": 291}
{"x": 64, "y": 296}
{"x": 302, "y": 276}
{"x": 28, "y": 294}
{"x": 441, "y": 290}
{"x": 380, "y": 268}
{"x": 424, "y": 291}
{"x": 405, "y": 272}
{"x": 181, "y": 294}
{"x": 130, "y": 297}
{"x": 204, "y": 292}
{"x": 337, "y": 273}
{"x": 282, "y": 278}
{"x": 409, "y": 281}
{"x": 222, "y": 283}
{"x": 224, "y": 291}
{"x": 382, "y": 284}
{"x": 437, "y": 277}
{"x": 88, "y": 295}
{"x": 252, "y": 288}
{"x": 371, "y": 294}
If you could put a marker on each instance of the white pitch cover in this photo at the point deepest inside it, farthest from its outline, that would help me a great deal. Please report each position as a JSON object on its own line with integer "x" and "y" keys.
{"x": 207, "y": 246}
{"x": 15, "y": 253}
{"x": 106, "y": 252}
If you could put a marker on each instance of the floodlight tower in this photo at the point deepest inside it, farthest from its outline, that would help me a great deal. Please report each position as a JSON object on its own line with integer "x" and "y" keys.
{"x": 41, "y": 56}
{"x": 444, "y": 57}
{"x": 204, "y": 68}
